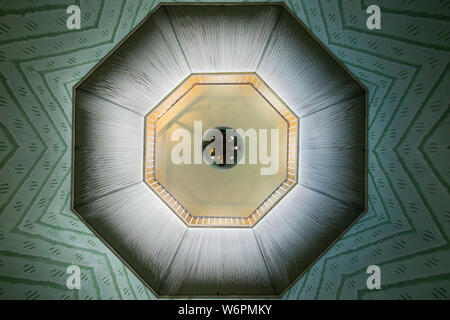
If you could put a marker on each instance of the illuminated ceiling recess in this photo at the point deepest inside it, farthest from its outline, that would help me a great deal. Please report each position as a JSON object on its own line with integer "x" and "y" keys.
{"x": 200, "y": 195}
{"x": 229, "y": 66}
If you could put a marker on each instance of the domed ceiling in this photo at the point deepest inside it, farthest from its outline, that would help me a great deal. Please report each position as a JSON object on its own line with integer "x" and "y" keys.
{"x": 405, "y": 67}
{"x": 151, "y": 182}
{"x": 194, "y": 189}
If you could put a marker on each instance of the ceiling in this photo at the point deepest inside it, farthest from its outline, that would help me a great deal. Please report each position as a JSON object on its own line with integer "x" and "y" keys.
{"x": 405, "y": 230}
{"x": 292, "y": 71}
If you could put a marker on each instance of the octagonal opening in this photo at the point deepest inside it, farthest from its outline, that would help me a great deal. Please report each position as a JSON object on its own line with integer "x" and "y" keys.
{"x": 180, "y": 127}
{"x": 111, "y": 112}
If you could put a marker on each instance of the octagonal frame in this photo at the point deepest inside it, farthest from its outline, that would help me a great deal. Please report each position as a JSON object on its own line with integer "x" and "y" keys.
{"x": 176, "y": 95}
{"x": 302, "y": 270}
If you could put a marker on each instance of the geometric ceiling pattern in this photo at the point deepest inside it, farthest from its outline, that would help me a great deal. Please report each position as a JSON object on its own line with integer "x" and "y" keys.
{"x": 243, "y": 214}
{"x": 406, "y": 230}
{"x": 178, "y": 229}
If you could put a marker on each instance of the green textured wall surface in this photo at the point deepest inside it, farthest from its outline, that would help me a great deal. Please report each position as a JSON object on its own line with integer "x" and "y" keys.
{"x": 405, "y": 231}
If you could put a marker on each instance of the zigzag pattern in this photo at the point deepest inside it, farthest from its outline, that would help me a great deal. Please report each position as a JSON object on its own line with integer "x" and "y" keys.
{"x": 406, "y": 230}
{"x": 40, "y": 62}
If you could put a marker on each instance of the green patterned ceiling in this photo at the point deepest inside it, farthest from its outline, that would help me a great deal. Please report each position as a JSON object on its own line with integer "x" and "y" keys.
{"x": 405, "y": 231}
